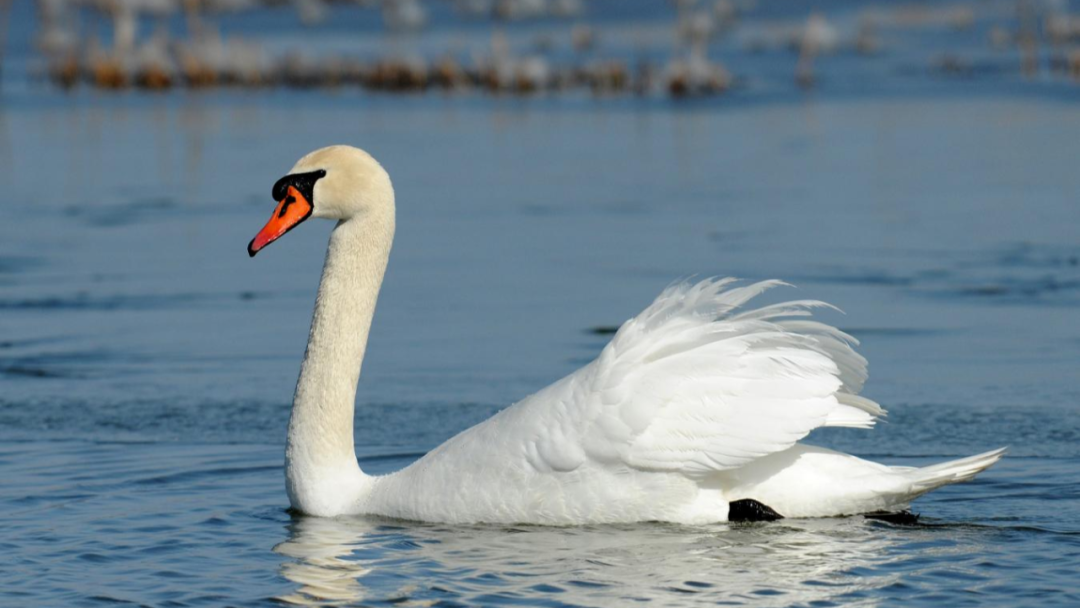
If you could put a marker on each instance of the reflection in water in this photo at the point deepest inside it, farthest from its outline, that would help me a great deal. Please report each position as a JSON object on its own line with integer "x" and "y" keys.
{"x": 347, "y": 561}
{"x": 323, "y": 567}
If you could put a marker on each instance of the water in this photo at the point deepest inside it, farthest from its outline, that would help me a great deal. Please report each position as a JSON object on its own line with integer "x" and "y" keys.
{"x": 169, "y": 524}
{"x": 147, "y": 364}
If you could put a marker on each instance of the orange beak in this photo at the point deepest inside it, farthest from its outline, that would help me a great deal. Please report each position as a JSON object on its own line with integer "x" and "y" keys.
{"x": 291, "y": 210}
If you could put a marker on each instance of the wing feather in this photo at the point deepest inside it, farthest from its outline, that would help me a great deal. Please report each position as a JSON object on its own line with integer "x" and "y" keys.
{"x": 690, "y": 386}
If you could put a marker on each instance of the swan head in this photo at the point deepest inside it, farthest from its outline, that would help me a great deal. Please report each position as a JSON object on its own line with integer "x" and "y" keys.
{"x": 336, "y": 182}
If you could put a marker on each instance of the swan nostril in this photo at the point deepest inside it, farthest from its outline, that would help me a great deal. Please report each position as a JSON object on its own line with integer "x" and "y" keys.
{"x": 285, "y": 206}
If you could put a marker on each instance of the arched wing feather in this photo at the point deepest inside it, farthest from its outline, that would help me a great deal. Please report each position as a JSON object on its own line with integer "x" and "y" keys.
{"x": 694, "y": 386}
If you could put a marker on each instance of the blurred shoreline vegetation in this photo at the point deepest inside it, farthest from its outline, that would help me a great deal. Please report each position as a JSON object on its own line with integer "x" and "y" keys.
{"x": 645, "y": 48}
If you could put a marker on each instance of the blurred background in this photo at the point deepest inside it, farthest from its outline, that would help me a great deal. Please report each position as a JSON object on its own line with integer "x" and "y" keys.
{"x": 557, "y": 163}
{"x": 608, "y": 48}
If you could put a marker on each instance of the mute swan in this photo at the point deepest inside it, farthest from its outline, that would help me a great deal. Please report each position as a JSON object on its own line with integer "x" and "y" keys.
{"x": 691, "y": 414}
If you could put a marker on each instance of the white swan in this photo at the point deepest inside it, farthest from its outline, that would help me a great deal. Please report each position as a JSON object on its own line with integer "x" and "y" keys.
{"x": 691, "y": 414}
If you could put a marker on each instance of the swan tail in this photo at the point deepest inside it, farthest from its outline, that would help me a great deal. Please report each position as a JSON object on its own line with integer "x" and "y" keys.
{"x": 932, "y": 477}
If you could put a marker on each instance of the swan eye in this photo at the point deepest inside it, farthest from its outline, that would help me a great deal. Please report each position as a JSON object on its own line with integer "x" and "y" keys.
{"x": 304, "y": 182}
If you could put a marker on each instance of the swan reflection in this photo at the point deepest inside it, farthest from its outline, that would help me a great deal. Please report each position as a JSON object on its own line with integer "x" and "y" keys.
{"x": 350, "y": 561}
{"x": 322, "y": 562}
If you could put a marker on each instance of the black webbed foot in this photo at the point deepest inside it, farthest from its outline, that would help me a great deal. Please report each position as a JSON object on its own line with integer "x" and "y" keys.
{"x": 905, "y": 517}
{"x": 749, "y": 509}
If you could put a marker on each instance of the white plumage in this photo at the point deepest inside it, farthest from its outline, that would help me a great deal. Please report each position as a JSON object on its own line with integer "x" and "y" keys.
{"x": 698, "y": 401}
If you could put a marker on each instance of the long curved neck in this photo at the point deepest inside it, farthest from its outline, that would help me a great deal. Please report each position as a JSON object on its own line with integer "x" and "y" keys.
{"x": 321, "y": 471}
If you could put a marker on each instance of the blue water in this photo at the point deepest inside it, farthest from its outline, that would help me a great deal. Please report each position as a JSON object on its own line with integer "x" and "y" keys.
{"x": 147, "y": 364}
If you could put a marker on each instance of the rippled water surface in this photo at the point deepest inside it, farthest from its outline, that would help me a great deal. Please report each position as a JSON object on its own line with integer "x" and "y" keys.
{"x": 147, "y": 364}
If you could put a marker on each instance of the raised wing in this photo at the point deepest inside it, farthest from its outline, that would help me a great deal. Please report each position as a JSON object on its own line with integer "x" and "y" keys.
{"x": 692, "y": 385}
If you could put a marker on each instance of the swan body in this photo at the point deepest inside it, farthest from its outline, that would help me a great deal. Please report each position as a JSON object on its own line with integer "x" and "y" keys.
{"x": 696, "y": 403}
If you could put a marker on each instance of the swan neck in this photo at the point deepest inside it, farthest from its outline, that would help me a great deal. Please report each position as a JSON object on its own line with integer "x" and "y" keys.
{"x": 320, "y": 456}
